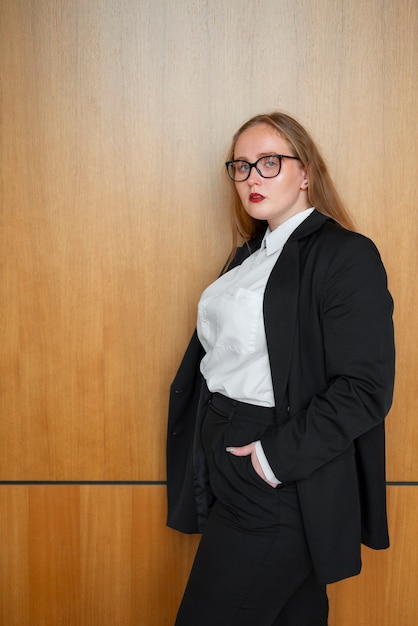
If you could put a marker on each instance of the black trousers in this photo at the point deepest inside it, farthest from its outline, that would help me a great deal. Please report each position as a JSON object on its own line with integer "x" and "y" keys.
{"x": 253, "y": 566}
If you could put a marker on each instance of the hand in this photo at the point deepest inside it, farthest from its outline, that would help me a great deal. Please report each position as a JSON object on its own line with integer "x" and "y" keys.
{"x": 249, "y": 450}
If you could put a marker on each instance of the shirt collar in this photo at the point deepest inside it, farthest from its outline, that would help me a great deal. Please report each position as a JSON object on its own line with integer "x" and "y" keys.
{"x": 274, "y": 240}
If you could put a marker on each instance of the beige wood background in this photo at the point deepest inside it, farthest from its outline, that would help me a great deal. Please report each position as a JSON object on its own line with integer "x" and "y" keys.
{"x": 115, "y": 117}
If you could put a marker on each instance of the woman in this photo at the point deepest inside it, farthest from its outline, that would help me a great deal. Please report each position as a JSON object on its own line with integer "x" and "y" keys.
{"x": 276, "y": 425}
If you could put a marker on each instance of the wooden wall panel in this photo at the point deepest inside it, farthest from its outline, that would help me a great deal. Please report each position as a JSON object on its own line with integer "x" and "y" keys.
{"x": 54, "y": 534}
{"x": 88, "y": 555}
{"x": 14, "y": 569}
{"x": 385, "y": 592}
{"x": 113, "y": 202}
{"x": 115, "y": 117}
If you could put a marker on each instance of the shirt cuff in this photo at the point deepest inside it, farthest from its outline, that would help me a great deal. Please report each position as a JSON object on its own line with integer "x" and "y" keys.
{"x": 265, "y": 465}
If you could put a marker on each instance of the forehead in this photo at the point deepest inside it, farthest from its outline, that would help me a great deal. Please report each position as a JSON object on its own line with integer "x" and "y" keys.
{"x": 258, "y": 140}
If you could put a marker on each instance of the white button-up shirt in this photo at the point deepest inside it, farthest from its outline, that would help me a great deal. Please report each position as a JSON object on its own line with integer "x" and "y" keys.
{"x": 230, "y": 323}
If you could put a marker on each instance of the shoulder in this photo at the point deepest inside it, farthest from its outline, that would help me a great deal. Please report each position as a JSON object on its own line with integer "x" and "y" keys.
{"x": 334, "y": 259}
{"x": 335, "y": 242}
{"x": 323, "y": 231}
{"x": 352, "y": 247}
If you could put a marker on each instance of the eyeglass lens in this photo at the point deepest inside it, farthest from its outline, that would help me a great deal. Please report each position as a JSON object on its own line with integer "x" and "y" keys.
{"x": 267, "y": 167}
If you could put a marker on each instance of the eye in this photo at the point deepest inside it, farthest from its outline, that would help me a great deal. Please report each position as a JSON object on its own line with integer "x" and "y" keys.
{"x": 271, "y": 162}
{"x": 243, "y": 166}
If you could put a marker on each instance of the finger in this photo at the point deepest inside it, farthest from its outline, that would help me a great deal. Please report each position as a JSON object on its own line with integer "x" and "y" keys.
{"x": 241, "y": 450}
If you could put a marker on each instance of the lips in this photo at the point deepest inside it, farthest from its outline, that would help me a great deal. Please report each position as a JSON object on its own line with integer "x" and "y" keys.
{"x": 256, "y": 197}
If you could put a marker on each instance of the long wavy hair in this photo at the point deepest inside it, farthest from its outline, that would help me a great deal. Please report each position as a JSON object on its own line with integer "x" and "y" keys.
{"x": 322, "y": 193}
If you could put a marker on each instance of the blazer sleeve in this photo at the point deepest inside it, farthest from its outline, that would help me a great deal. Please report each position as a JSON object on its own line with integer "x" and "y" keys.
{"x": 355, "y": 321}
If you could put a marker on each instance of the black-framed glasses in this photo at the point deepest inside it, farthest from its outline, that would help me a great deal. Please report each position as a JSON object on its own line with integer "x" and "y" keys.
{"x": 267, "y": 166}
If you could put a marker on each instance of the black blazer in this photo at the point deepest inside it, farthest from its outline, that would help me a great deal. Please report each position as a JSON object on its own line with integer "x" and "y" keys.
{"x": 328, "y": 322}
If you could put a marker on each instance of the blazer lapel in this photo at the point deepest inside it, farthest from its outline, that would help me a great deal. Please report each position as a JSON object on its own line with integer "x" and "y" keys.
{"x": 281, "y": 307}
{"x": 280, "y": 316}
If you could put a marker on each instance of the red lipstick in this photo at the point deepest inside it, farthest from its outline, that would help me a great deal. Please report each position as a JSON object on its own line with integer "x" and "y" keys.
{"x": 256, "y": 197}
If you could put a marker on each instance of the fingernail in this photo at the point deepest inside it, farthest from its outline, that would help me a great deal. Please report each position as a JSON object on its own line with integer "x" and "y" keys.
{"x": 231, "y": 449}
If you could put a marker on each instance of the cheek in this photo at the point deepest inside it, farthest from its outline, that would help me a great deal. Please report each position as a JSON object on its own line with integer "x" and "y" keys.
{"x": 240, "y": 191}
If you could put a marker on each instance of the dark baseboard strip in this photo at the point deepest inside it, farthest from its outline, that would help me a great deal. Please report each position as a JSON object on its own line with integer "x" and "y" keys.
{"x": 409, "y": 483}
{"x": 83, "y": 482}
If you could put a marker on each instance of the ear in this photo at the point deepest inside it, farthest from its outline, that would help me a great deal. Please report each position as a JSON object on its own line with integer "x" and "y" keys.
{"x": 305, "y": 181}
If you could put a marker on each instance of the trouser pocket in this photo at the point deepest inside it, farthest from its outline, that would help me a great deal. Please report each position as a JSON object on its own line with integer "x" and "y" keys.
{"x": 233, "y": 479}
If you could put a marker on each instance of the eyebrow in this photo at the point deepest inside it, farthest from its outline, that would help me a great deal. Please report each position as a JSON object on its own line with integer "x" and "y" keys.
{"x": 260, "y": 156}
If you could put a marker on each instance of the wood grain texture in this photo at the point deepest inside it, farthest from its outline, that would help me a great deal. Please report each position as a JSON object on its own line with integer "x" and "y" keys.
{"x": 115, "y": 118}
{"x": 88, "y": 555}
{"x": 114, "y": 216}
{"x": 385, "y": 592}
{"x": 82, "y": 556}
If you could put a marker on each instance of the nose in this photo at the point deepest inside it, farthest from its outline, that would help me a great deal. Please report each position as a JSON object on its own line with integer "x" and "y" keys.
{"x": 254, "y": 177}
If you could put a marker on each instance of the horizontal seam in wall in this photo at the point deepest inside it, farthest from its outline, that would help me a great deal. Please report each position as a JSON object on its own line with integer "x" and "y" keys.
{"x": 410, "y": 483}
{"x": 83, "y": 482}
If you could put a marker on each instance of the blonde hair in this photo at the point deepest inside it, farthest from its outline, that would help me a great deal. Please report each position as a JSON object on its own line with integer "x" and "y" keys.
{"x": 322, "y": 193}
